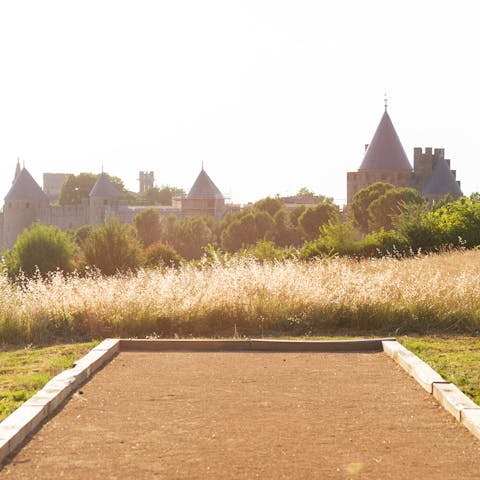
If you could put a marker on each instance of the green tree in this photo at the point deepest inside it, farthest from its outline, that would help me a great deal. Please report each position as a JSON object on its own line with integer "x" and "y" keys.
{"x": 358, "y": 209}
{"x": 314, "y": 217}
{"x": 419, "y": 227}
{"x": 386, "y": 208}
{"x": 264, "y": 225}
{"x": 44, "y": 247}
{"x": 269, "y": 205}
{"x": 240, "y": 232}
{"x": 304, "y": 192}
{"x": 149, "y": 226}
{"x": 77, "y": 187}
{"x": 458, "y": 222}
{"x": 113, "y": 247}
{"x": 285, "y": 234}
{"x": 296, "y": 213}
{"x": 159, "y": 196}
{"x": 192, "y": 235}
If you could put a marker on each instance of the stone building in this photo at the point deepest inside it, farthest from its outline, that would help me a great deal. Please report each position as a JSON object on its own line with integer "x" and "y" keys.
{"x": 385, "y": 160}
{"x": 26, "y": 203}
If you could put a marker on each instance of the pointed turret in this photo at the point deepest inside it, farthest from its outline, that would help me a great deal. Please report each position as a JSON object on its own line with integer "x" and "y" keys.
{"x": 104, "y": 188}
{"x": 25, "y": 188}
{"x": 204, "y": 198}
{"x": 105, "y": 199}
{"x": 441, "y": 182}
{"x": 385, "y": 160}
{"x": 385, "y": 151}
{"x": 25, "y": 203}
{"x": 204, "y": 188}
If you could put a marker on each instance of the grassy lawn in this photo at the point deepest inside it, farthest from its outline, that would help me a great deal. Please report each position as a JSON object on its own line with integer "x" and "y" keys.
{"x": 25, "y": 371}
{"x": 456, "y": 359}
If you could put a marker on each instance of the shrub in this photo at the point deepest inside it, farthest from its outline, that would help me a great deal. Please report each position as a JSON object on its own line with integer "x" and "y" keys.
{"x": 113, "y": 247}
{"x": 161, "y": 255}
{"x": 42, "y": 248}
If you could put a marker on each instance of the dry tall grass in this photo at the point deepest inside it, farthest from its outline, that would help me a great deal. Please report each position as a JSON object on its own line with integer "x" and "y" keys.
{"x": 437, "y": 293}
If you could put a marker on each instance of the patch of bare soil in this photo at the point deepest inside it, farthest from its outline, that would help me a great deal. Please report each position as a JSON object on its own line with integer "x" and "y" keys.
{"x": 249, "y": 415}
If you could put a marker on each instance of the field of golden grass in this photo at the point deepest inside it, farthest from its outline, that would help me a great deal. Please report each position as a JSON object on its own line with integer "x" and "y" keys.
{"x": 422, "y": 294}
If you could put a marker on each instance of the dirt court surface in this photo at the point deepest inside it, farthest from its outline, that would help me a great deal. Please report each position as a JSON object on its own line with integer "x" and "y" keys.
{"x": 249, "y": 415}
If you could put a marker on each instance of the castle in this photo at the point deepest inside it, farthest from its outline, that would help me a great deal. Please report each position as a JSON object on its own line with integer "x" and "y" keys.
{"x": 26, "y": 203}
{"x": 385, "y": 161}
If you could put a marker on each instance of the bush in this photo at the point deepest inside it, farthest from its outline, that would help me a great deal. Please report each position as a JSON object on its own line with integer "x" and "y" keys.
{"x": 41, "y": 248}
{"x": 113, "y": 247}
{"x": 161, "y": 255}
{"x": 338, "y": 238}
{"x": 264, "y": 250}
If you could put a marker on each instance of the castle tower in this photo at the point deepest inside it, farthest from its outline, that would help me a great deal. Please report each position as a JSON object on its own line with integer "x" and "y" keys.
{"x": 104, "y": 195}
{"x": 384, "y": 161}
{"x": 146, "y": 180}
{"x": 204, "y": 198}
{"x": 24, "y": 204}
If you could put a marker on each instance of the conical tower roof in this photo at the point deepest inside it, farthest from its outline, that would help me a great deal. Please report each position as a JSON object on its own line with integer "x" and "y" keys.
{"x": 385, "y": 151}
{"x": 204, "y": 187}
{"x": 104, "y": 188}
{"x": 442, "y": 182}
{"x": 25, "y": 188}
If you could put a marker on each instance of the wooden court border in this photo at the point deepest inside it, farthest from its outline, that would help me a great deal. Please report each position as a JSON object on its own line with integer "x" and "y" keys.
{"x": 24, "y": 421}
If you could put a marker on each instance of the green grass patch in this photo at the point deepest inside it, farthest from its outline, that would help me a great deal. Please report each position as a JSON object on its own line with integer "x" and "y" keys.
{"x": 456, "y": 359}
{"x": 23, "y": 372}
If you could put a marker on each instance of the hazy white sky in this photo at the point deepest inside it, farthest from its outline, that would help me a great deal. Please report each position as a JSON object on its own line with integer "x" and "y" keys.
{"x": 271, "y": 95}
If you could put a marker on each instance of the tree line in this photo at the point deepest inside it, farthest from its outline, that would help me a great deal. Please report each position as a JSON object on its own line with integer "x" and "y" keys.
{"x": 381, "y": 220}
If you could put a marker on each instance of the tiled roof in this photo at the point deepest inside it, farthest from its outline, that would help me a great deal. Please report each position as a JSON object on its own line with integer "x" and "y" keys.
{"x": 25, "y": 188}
{"x": 385, "y": 151}
{"x": 204, "y": 188}
{"x": 104, "y": 188}
{"x": 442, "y": 181}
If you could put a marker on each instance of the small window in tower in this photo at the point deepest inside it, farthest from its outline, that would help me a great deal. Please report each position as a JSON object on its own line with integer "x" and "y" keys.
{"x": 9, "y": 204}
{"x": 104, "y": 202}
{"x": 27, "y": 205}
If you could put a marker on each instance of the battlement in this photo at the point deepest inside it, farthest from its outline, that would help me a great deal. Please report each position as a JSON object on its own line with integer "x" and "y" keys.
{"x": 146, "y": 181}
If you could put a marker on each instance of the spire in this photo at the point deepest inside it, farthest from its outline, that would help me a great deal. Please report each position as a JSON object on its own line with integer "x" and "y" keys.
{"x": 385, "y": 151}
{"x": 17, "y": 171}
{"x": 386, "y": 101}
